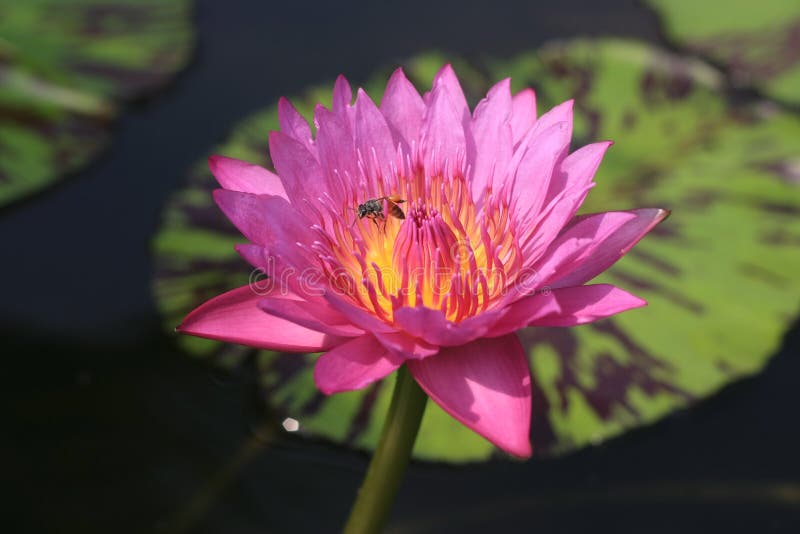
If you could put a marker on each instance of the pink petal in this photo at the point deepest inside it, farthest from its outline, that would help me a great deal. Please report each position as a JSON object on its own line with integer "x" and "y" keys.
{"x": 255, "y": 255}
{"x": 341, "y": 105}
{"x": 235, "y": 317}
{"x": 248, "y": 213}
{"x": 567, "y": 306}
{"x": 356, "y": 314}
{"x": 577, "y": 243}
{"x": 316, "y": 316}
{"x": 354, "y": 365}
{"x": 490, "y": 157}
{"x": 609, "y": 247}
{"x": 238, "y": 175}
{"x": 297, "y": 167}
{"x": 403, "y": 108}
{"x": 278, "y": 273}
{"x": 550, "y": 222}
{"x": 268, "y": 221}
{"x": 295, "y": 125}
{"x": 432, "y": 326}
{"x": 532, "y": 178}
{"x": 486, "y": 385}
{"x": 342, "y": 97}
{"x": 574, "y": 178}
{"x": 406, "y": 346}
{"x": 523, "y": 114}
{"x": 447, "y": 80}
{"x": 337, "y": 154}
{"x": 373, "y": 139}
{"x": 578, "y": 169}
{"x": 559, "y": 114}
{"x": 443, "y": 136}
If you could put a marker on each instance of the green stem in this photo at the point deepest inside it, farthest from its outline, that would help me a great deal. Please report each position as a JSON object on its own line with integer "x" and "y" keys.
{"x": 385, "y": 473}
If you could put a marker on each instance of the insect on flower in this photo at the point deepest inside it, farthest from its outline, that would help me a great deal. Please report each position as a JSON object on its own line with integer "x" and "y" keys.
{"x": 373, "y": 208}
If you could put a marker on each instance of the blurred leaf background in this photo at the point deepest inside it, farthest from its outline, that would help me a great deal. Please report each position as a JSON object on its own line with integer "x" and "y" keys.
{"x": 64, "y": 66}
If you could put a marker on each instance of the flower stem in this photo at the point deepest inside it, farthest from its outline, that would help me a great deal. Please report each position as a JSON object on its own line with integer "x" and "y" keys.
{"x": 385, "y": 473}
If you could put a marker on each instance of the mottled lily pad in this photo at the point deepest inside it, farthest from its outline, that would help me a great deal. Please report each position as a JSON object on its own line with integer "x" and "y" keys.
{"x": 757, "y": 42}
{"x": 65, "y": 66}
{"x": 720, "y": 275}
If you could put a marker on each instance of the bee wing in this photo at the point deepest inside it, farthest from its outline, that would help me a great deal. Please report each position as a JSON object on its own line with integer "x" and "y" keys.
{"x": 395, "y": 211}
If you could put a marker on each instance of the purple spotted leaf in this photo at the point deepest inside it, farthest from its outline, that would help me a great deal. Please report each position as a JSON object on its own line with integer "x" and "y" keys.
{"x": 757, "y": 43}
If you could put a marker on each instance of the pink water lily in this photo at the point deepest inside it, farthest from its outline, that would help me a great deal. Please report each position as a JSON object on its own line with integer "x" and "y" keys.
{"x": 489, "y": 244}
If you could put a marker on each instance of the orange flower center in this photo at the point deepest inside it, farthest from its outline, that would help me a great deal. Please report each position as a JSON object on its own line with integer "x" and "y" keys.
{"x": 446, "y": 254}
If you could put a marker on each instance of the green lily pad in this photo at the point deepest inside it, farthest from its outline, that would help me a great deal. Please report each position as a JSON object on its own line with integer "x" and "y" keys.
{"x": 65, "y": 66}
{"x": 720, "y": 274}
{"x": 757, "y": 42}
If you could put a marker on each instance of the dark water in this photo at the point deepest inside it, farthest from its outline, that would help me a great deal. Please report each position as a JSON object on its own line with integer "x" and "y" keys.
{"x": 111, "y": 429}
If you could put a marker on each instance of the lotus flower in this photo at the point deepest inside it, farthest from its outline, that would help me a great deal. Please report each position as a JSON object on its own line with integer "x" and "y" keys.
{"x": 473, "y": 236}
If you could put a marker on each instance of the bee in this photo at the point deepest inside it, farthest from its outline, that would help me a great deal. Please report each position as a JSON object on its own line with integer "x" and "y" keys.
{"x": 373, "y": 209}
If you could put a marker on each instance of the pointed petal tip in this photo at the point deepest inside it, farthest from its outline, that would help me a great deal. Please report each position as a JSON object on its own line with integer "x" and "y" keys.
{"x": 654, "y": 215}
{"x": 398, "y": 75}
{"x": 563, "y": 111}
{"x": 326, "y": 387}
{"x": 244, "y": 248}
{"x": 362, "y": 98}
{"x": 501, "y": 89}
{"x": 342, "y": 93}
{"x": 253, "y": 254}
{"x": 446, "y": 71}
{"x": 521, "y": 450}
{"x": 234, "y": 317}
{"x": 323, "y": 388}
{"x": 634, "y": 301}
{"x": 217, "y": 193}
{"x": 600, "y": 148}
{"x": 286, "y": 108}
{"x": 216, "y": 161}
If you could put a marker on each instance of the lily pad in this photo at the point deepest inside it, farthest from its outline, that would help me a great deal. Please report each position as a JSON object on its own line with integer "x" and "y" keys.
{"x": 65, "y": 66}
{"x": 757, "y": 42}
{"x": 720, "y": 275}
